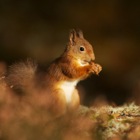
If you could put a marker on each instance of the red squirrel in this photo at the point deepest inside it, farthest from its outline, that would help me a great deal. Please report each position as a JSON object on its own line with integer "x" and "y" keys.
{"x": 75, "y": 64}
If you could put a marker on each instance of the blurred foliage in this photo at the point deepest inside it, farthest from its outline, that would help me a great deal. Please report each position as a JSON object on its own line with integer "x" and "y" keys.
{"x": 39, "y": 29}
{"x": 27, "y": 118}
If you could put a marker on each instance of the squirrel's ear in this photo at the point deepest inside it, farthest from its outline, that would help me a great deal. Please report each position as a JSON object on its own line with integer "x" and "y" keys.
{"x": 74, "y": 34}
{"x": 80, "y": 33}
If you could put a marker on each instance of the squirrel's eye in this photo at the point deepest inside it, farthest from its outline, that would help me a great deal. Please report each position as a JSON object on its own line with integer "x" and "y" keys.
{"x": 82, "y": 48}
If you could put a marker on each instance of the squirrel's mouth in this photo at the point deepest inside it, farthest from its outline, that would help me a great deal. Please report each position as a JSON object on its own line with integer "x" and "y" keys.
{"x": 88, "y": 61}
{"x": 84, "y": 62}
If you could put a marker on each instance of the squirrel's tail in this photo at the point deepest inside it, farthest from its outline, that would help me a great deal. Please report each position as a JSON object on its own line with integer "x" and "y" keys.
{"x": 21, "y": 75}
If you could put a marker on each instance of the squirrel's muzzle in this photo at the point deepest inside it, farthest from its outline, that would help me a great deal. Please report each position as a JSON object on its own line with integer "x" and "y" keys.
{"x": 92, "y": 56}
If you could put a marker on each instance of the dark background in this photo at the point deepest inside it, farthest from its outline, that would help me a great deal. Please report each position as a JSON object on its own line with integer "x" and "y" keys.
{"x": 39, "y": 29}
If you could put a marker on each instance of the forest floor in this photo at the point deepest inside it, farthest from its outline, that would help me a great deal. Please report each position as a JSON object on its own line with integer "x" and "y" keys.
{"x": 28, "y": 120}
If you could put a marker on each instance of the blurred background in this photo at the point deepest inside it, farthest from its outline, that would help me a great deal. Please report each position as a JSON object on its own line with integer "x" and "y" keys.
{"x": 40, "y": 30}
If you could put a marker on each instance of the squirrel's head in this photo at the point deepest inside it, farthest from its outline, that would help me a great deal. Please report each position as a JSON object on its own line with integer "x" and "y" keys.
{"x": 79, "y": 48}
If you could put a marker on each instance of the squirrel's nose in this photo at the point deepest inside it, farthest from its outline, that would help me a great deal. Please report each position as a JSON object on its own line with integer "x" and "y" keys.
{"x": 92, "y": 57}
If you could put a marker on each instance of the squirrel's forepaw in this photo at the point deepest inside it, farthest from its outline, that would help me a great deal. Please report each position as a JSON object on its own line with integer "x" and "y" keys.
{"x": 96, "y": 68}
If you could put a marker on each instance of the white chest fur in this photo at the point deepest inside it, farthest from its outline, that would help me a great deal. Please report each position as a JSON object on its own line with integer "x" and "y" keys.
{"x": 68, "y": 88}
